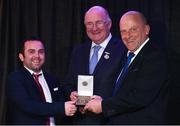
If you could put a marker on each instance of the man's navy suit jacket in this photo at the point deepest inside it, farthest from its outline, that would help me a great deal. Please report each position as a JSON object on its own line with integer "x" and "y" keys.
{"x": 25, "y": 105}
{"x": 104, "y": 77}
{"x": 143, "y": 94}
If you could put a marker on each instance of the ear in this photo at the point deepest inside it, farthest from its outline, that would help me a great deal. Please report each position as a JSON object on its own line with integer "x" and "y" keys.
{"x": 21, "y": 57}
{"x": 147, "y": 29}
{"x": 109, "y": 24}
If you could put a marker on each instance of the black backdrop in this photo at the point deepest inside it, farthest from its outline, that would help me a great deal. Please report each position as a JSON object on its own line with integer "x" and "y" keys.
{"x": 59, "y": 23}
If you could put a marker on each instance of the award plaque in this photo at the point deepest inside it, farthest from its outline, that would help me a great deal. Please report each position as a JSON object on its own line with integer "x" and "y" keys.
{"x": 85, "y": 89}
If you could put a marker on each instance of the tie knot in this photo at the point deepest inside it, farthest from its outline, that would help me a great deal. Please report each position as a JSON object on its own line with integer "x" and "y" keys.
{"x": 131, "y": 55}
{"x": 96, "y": 48}
{"x": 37, "y": 75}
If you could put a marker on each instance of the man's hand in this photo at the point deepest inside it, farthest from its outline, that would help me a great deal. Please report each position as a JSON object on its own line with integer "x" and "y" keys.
{"x": 70, "y": 108}
{"x": 94, "y": 105}
{"x": 74, "y": 96}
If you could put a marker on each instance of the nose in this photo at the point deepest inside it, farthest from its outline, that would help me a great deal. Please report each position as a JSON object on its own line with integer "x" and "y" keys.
{"x": 128, "y": 35}
{"x": 94, "y": 27}
{"x": 36, "y": 54}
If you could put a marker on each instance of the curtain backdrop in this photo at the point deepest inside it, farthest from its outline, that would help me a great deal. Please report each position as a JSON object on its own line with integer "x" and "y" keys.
{"x": 59, "y": 23}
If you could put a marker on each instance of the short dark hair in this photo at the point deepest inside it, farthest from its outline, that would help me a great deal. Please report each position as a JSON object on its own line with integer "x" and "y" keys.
{"x": 22, "y": 43}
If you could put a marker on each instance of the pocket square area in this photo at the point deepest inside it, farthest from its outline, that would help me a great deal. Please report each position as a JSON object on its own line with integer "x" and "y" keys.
{"x": 55, "y": 89}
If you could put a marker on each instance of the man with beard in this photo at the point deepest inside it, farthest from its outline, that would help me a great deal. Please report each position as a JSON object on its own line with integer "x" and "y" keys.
{"x": 33, "y": 95}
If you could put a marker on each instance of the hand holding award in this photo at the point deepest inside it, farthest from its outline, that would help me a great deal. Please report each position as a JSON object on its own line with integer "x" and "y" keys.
{"x": 85, "y": 89}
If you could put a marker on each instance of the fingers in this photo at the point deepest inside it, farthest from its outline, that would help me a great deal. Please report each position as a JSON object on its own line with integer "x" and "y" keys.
{"x": 74, "y": 96}
{"x": 72, "y": 102}
{"x": 72, "y": 111}
{"x": 96, "y": 97}
{"x": 70, "y": 108}
{"x": 86, "y": 107}
{"x": 94, "y": 105}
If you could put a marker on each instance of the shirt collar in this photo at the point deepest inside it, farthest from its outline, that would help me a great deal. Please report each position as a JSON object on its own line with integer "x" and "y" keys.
{"x": 104, "y": 43}
{"x": 32, "y": 72}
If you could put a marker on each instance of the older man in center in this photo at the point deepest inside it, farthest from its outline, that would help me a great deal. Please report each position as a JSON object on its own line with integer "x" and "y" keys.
{"x": 98, "y": 24}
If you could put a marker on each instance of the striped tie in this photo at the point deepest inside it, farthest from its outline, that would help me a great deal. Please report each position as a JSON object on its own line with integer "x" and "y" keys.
{"x": 123, "y": 72}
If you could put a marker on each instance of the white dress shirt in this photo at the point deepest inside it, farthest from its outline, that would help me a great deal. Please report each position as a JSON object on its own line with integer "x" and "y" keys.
{"x": 138, "y": 50}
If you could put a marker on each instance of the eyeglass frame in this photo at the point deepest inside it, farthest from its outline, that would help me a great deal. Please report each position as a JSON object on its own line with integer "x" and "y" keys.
{"x": 98, "y": 24}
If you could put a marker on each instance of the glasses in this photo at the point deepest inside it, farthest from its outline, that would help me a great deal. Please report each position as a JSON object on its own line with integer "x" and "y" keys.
{"x": 98, "y": 24}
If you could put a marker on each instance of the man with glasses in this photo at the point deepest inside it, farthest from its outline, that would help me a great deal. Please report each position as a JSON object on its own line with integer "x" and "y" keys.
{"x": 108, "y": 49}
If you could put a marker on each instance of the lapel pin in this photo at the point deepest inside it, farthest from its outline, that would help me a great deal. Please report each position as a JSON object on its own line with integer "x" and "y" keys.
{"x": 106, "y": 56}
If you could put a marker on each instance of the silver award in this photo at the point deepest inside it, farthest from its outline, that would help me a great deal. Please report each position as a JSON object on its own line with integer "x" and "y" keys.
{"x": 85, "y": 89}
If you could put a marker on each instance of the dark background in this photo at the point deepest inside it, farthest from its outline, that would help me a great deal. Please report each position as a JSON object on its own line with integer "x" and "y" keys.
{"x": 59, "y": 23}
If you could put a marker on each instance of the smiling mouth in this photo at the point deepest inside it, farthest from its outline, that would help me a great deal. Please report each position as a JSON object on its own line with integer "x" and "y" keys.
{"x": 130, "y": 42}
{"x": 36, "y": 62}
{"x": 96, "y": 32}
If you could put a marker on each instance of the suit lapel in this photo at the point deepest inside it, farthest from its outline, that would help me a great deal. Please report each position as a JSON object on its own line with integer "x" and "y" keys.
{"x": 30, "y": 83}
{"x": 139, "y": 56}
{"x": 107, "y": 55}
{"x": 29, "y": 77}
{"x": 87, "y": 50}
{"x": 134, "y": 66}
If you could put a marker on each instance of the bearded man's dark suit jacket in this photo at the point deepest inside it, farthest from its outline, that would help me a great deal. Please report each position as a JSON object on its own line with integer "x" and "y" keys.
{"x": 25, "y": 105}
{"x": 143, "y": 94}
{"x": 103, "y": 74}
